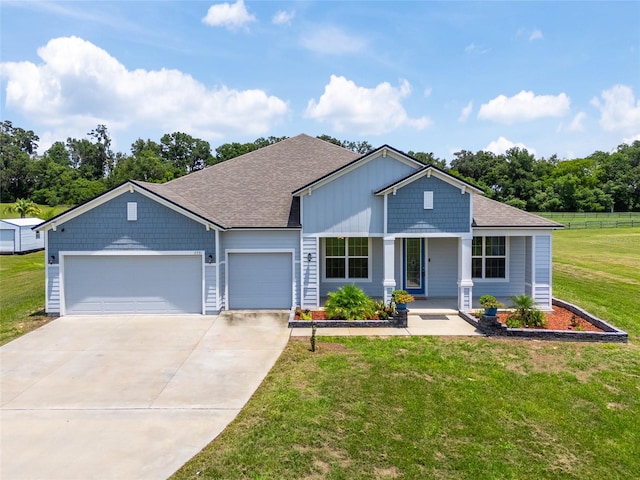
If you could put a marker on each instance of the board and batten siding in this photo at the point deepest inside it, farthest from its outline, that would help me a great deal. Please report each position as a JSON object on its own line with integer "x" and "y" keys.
{"x": 450, "y": 213}
{"x": 105, "y": 227}
{"x": 372, "y": 288}
{"x": 347, "y": 204}
{"x": 442, "y": 267}
{"x": 516, "y": 283}
{"x": 310, "y": 272}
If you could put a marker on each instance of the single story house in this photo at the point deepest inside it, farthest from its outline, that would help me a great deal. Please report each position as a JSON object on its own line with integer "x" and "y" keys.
{"x": 17, "y": 236}
{"x": 285, "y": 225}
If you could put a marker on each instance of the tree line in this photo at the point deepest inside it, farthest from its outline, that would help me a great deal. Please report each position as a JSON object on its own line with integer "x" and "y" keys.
{"x": 76, "y": 170}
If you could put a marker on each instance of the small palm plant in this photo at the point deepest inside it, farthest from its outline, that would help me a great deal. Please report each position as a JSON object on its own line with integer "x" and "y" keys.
{"x": 349, "y": 303}
{"x": 526, "y": 313}
{"x": 23, "y": 207}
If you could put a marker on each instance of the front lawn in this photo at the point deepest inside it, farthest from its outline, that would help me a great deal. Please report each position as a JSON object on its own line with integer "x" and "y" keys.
{"x": 21, "y": 294}
{"x": 428, "y": 407}
{"x": 456, "y": 408}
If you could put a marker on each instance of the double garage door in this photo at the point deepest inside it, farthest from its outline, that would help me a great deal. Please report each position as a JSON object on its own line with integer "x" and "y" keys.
{"x": 132, "y": 284}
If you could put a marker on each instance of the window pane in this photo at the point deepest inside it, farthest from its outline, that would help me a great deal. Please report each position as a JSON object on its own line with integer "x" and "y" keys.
{"x": 495, "y": 246}
{"x": 358, "y": 247}
{"x": 335, "y": 268}
{"x": 334, "y": 247}
{"x": 358, "y": 268}
{"x": 476, "y": 247}
{"x": 495, "y": 268}
{"x": 476, "y": 267}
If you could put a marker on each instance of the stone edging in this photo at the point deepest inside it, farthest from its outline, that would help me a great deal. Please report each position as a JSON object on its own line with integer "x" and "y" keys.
{"x": 397, "y": 321}
{"x": 490, "y": 326}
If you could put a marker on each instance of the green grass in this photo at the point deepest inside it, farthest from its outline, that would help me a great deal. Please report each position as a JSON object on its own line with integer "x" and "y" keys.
{"x": 21, "y": 294}
{"x": 600, "y": 271}
{"x": 427, "y": 407}
{"x": 47, "y": 212}
{"x": 432, "y": 407}
{"x": 578, "y": 220}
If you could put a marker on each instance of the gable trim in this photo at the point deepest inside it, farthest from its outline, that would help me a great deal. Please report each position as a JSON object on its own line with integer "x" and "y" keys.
{"x": 384, "y": 151}
{"x": 429, "y": 171}
{"x": 127, "y": 187}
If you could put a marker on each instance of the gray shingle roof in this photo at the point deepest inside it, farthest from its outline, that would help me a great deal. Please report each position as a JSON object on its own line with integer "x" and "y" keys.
{"x": 254, "y": 190}
{"x": 489, "y": 213}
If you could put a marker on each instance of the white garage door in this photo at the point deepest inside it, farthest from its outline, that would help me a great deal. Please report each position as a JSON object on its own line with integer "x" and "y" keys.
{"x": 260, "y": 281}
{"x": 7, "y": 242}
{"x": 132, "y": 284}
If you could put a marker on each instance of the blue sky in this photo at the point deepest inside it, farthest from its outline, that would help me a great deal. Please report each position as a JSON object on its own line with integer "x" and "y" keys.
{"x": 554, "y": 77}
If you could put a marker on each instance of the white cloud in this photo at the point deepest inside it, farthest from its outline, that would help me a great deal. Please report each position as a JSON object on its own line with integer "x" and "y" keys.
{"x": 535, "y": 35}
{"x": 79, "y": 85}
{"x": 366, "y": 111}
{"x": 475, "y": 49}
{"x": 466, "y": 111}
{"x": 283, "y": 17}
{"x": 619, "y": 109}
{"x": 523, "y": 107}
{"x": 501, "y": 145}
{"x": 427, "y": 91}
{"x": 576, "y": 123}
{"x": 631, "y": 139}
{"x": 229, "y": 15}
{"x": 332, "y": 41}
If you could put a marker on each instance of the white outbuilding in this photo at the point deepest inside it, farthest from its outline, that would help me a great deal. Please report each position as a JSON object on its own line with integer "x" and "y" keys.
{"x": 17, "y": 236}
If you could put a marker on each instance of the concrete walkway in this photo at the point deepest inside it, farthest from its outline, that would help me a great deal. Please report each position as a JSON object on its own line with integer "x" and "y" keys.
{"x": 423, "y": 322}
{"x": 127, "y": 397}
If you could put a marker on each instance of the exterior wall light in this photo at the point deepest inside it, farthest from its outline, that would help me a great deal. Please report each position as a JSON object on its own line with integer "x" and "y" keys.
{"x": 52, "y": 259}
{"x": 210, "y": 258}
{"x": 309, "y": 257}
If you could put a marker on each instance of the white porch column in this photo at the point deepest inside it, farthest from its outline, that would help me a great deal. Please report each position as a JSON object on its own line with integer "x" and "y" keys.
{"x": 465, "y": 283}
{"x": 389, "y": 283}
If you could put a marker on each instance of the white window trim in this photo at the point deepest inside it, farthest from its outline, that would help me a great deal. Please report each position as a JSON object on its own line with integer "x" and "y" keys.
{"x": 506, "y": 261}
{"x": 323, "y": 249}
{"x": 428, "y": 200}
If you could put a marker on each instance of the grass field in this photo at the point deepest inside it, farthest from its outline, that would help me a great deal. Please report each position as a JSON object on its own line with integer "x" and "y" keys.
{"x": 578, "y": 220}
{"x": 21, "y": 294}
{"x": 430, "y": 407}
{"x": 47, "y": 212}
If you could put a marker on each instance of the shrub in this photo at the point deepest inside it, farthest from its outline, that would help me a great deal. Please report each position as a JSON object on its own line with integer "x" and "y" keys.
{"x": 526, "y": 313}
{"x": 349, "y": 303}
{"x": 489, "y": 301}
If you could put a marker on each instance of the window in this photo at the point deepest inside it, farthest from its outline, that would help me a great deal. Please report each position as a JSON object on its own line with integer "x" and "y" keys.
{"x": 346, "y": 258}
{"x": 132, "y": 211}
{"x": 428, "y": 200}
{"x": 489, "y": 257}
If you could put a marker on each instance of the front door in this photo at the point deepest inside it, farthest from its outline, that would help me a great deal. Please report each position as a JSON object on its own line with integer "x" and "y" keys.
{"x": 414, "y": 266}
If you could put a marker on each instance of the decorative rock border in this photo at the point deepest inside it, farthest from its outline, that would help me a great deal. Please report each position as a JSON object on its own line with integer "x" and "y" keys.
{"x": 399, "y": 320}
{"x": 490, "y": 326}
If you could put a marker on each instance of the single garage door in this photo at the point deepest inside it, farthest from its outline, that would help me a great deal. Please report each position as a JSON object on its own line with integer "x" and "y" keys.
{"x": 260, "y": 281}
{"x": 132, "y": 284}
{"x": 7, "y": 241}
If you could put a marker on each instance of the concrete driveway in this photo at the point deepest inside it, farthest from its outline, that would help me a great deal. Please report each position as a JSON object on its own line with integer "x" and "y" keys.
{"x": 127, "y": 397}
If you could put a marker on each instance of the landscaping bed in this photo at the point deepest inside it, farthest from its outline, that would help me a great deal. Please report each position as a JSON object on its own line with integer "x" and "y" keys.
{"x": 567, "y": 322}
{"x": 320, "y": 320}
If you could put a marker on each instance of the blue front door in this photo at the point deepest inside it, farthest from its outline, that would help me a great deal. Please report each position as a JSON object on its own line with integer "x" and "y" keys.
{"x": 414, "y": 266}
